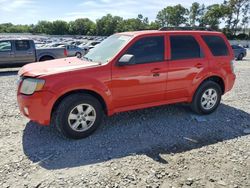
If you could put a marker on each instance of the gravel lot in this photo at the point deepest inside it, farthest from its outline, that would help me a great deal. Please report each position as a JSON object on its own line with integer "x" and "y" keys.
{"x": 166, "y": 146}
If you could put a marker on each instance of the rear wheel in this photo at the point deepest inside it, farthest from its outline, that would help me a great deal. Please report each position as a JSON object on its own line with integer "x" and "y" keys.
{"x": 207, "y": 98}
{"x": 240, "y": 56}
{"x": 78, "y": 116}
{"x": 78, "y": 54}
{"x": 46, "y": 58}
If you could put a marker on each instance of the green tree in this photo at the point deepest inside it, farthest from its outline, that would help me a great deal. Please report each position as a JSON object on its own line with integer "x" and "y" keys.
{"x": 172, "y": 16}
{"x": 236, "y": 10}
{"x": 134, "y": 24}
{"x": 44, "y": 27}
{"x": 194, "y": 13}
{"x": 83, "y": 26}
{"x": 107, "y": 25}
{"x": 213, "y": 16}
{"x": 60, "y": 27}
{"x": 246, "y": 17}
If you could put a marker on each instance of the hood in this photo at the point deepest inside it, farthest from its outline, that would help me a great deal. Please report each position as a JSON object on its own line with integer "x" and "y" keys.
{"x": 55, "y": 66}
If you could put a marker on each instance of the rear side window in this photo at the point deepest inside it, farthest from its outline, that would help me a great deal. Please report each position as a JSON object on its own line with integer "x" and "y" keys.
{"x": 216, "y": 45}
{"x": 148, "y": 50}
{"x": 184, "y": 47}
{"x": 22, "y": 45}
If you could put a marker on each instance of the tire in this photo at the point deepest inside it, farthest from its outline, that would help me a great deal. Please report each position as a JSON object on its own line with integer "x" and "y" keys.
{"x": 45, "y": 58}
{"x": 240, "y": 56}
{"x": 68, "y": 108}
{"x": 78, "y": 54}
{"x": 200, "y": 105}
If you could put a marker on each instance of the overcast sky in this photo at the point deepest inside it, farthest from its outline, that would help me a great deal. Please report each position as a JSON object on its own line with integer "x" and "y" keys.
{"x": 31, "y": 11}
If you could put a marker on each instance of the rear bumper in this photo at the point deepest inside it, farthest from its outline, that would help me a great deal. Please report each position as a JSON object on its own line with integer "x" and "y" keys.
{"x": 36, "y": 107}
{"x": 230, "y": 82}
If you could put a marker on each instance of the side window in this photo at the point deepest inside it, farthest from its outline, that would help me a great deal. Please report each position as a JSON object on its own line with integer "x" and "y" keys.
{"x": 22, "y": 45}
{"x": 184, "y": 47}
{"x": 5, "y": 46}
{"x": 216, "y": 45}
{"x": 148, "y": 50}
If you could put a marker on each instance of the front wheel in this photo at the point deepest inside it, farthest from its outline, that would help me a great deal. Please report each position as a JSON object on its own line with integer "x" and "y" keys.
{"x": 78, "y": 116}
{"x": 207, "y": 98}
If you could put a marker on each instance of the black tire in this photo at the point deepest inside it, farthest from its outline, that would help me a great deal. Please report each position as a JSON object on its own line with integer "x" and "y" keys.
{"x": 78, "y": 54}
{"x": 67, "y": 105}
{"x": 46, "y": 58}
{"x": 240, "y": 56}
{"x": 196, "y": 104}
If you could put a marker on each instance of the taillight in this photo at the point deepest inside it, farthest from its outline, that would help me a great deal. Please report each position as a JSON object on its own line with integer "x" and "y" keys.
{"x": 65, "y": 52}
{"x": 232, "y": 66}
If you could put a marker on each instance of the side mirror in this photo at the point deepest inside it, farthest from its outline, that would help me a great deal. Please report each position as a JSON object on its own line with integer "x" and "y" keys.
{"x": 126, "y": 59}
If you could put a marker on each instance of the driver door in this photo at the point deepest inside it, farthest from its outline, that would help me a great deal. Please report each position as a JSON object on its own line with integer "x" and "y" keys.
{"x": 144, "y": 81}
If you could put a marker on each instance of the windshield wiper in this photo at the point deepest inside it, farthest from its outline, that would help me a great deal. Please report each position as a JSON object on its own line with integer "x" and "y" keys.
{"x": 88, "y": 59}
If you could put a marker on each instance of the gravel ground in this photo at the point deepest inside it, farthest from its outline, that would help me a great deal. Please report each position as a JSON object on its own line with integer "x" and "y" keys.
{"x": 166, "y": 146}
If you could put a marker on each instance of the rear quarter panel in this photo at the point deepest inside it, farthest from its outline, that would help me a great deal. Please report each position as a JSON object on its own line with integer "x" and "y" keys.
{"x": 218, "y": 65}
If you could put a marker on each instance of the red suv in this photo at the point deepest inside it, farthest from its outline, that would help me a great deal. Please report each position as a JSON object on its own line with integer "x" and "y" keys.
{"x": 128, "y": 71}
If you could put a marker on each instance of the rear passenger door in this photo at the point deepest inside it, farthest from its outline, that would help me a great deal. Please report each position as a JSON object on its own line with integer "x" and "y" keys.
{"x": 186, "y": 65}
{"x": 24, "y": 52}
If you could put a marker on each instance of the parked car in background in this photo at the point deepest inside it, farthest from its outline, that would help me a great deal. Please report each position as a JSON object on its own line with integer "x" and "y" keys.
{"x": 239, "y": 52}
{"x": 73, "y": 50}
{"x": 89, "y": 45}
{"x": 54, "y": 45}
{"x": 14, "y": 53}
{"x": 128, "y": 71}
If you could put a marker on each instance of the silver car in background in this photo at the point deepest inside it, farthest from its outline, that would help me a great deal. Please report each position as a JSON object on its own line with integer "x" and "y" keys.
{"x": 239, "y": 52}
{"x": 73, "y": 50}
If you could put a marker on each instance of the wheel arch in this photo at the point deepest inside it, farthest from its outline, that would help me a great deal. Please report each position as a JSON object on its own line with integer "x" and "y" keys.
{"x": 215, "y": 78}
{"x": 44, "y": 56}
{"x": 83, "y": 91}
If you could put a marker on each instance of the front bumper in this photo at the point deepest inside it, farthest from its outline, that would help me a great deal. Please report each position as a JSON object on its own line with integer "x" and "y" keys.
{"x": 37, "y": 107}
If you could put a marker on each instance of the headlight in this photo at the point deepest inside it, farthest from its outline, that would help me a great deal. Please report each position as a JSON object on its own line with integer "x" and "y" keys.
{"x": 30, "y": 85}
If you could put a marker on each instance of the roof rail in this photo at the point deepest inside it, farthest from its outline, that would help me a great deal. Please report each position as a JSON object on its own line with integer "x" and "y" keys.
{"x": 185, "y": 29}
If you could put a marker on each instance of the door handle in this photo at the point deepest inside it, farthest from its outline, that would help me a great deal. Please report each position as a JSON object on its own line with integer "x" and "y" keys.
{"x": 199, "y": 65}
{"x": 156, "y": 70}
{"x": 29, "y": 52}
{"x": 11, "y": 53}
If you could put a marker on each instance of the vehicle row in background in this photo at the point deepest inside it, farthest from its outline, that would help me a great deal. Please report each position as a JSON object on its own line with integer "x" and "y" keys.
{"x": 41, "y": 48}
{"x": 14, "y": 53}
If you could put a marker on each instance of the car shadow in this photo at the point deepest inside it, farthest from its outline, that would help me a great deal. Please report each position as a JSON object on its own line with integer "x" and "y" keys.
{"x": 151, "y": 132}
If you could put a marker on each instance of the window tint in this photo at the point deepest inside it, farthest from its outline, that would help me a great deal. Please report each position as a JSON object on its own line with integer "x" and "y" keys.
{"x": 5, "y": 46}
{"x": 22, "y": 45}
{"x": 184, "y": 47}
{"x": 216, "y": 45}
{"x": 148, "y": 49}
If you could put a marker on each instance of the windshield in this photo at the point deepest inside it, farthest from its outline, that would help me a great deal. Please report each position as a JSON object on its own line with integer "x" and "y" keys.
{"x": 107, "y": 49}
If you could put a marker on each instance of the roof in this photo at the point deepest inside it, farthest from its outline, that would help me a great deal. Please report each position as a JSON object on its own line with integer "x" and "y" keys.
{"x": 145, "y": 32}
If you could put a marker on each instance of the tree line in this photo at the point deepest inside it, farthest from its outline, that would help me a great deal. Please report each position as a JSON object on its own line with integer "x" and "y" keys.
{"x": 232, "y": 15}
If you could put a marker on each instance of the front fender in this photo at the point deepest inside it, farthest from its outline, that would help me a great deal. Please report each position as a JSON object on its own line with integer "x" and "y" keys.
{"x": 65, "y": 84}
